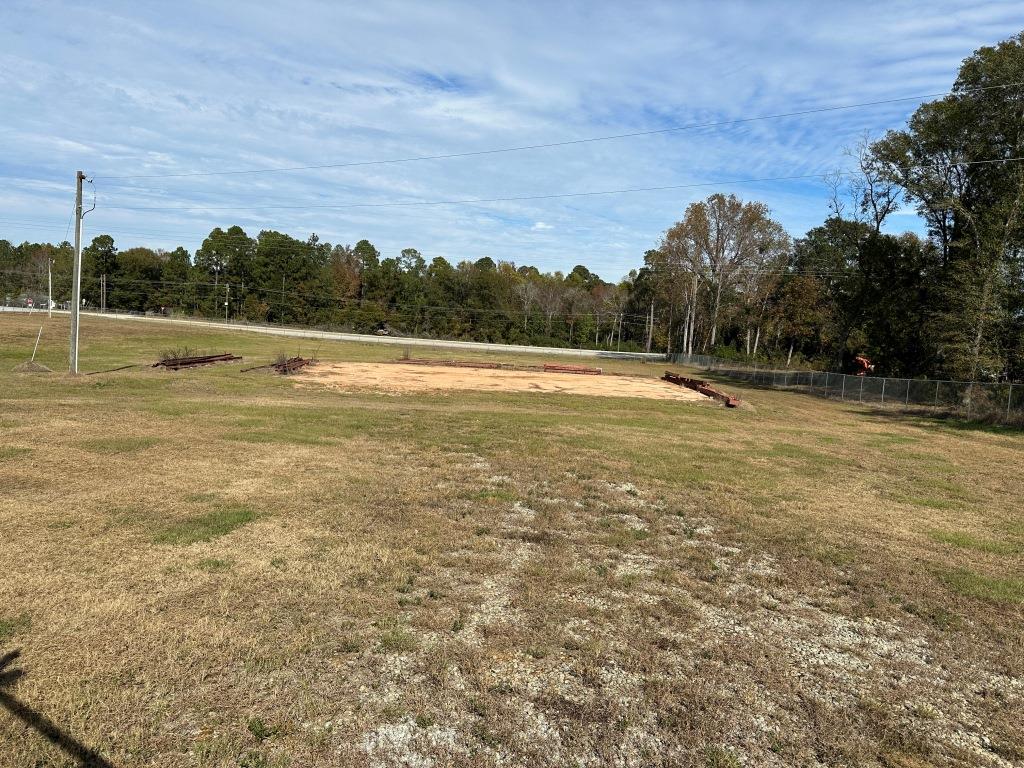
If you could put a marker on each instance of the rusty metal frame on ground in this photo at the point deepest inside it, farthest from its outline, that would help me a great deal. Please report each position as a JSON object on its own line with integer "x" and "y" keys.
{"x": 703, "y": 387}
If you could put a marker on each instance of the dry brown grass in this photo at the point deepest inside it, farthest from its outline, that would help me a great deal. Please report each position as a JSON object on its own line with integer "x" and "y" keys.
{"x": 205, "y": 568}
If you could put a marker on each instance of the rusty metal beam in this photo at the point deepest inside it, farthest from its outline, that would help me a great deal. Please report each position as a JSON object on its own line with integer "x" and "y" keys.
{"x": 703, "y": 387}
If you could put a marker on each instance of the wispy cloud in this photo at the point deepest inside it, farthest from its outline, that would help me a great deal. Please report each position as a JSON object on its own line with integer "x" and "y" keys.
{"x": 130, "y": 89}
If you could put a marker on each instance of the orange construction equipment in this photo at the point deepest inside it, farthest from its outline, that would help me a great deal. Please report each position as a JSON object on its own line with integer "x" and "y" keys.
{"x": 863, "y": 366}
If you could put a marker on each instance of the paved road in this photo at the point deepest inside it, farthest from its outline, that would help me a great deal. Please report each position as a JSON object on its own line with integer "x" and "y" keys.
{"x": 402, "y": 341}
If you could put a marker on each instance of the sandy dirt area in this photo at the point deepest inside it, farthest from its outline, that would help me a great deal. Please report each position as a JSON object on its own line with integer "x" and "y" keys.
{"x": 401, "y": 379}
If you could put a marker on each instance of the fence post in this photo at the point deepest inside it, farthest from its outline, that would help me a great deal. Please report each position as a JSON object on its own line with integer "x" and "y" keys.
{"x": 826, "y": 384}
{"x": 936, "y": 394}
{"x": 907, "y": 401}
{"x": 861, "y": 398}
{"x": 883, "y": 390}
{"x": 1009, "y": 397}
{"x": 842, "y": 395}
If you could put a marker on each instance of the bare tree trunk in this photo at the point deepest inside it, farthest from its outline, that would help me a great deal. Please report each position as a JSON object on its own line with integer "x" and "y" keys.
{"x": 686, "y": 328}
{"x": 979, "y": 332}
{"x": 757, "y": 338}
{"x": 789, "y": 358}
{"x": 668, "y": 342}
{"x": 748, "y": 341}
{"x": 714, "y": 313}
{"x": 693, "y": 315}
{"x": 692, "y": 328}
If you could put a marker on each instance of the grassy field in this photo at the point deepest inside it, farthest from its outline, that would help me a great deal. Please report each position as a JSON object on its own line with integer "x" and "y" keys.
{"x": 208, "y": 568}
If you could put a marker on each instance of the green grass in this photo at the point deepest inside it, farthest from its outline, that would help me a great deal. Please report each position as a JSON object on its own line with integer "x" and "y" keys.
{"x": 214, "y": 564}
{"x": 928, "y": 502}
{"x": 716, "y": 757}
{"x": 13, "y": 452}
{"x": 967, "y": 541}
{"x": 992, "y": 589}
{"x": 206, "y": 527}
{"x": 13, "y": 625}
{"x": 396, "y": 640}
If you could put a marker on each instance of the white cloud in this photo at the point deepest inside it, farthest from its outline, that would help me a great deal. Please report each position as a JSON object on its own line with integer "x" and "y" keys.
{"x": 139, "y": 89}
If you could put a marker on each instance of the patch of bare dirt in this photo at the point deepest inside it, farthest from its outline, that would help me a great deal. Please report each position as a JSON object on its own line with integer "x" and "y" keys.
{"x": 395, "y": 379}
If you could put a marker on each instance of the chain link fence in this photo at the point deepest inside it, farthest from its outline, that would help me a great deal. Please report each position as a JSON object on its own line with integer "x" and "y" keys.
{"x": 998, "y": 402}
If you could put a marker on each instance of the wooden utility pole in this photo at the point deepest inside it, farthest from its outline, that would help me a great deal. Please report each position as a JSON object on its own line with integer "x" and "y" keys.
{"x": 650, "y": 327}
{"x": 227, "y": 290}
{"x": 76, "y": 278}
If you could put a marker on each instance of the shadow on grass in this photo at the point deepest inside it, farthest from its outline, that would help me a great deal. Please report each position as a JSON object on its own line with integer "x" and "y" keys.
{"x": 86, "y": 757}
{"x": 923, "y": 417}
{"x": 916, "y": 415}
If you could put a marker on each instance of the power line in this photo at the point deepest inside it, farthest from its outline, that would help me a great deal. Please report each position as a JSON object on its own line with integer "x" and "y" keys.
{"x": 521, "y": 198}
{"x": 564, "y": 143}
{"x": 466, "y": 201}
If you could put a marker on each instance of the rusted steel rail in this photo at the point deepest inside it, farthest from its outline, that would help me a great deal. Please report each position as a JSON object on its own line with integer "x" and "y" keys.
{"x": 449, "y": 363}
{"x": 703, "y": 387}
{"x": 291, "y": 365}
{"x": 562, "y": 368}
{"x": 546, "y": 367}
{"x": 177, "y": 363}
{"x": 113, "y": 370}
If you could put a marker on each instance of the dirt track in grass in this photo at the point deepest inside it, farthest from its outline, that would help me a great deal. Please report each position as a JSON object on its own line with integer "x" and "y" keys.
{"x": 405, "y": 379}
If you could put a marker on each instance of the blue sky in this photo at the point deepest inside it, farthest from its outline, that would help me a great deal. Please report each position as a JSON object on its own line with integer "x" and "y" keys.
{"x": 169, "y": 88}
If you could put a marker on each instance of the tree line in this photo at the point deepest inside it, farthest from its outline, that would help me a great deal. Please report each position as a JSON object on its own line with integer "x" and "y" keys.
{"x": 276, "y": 278}
{"x": 726, "y": 279}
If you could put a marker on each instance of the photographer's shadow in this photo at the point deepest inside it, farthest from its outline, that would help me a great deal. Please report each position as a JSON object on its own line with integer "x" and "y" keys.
{"x": 47, "y": 728}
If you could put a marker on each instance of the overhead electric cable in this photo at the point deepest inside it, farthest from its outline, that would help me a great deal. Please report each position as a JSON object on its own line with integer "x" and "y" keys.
{"x": 564, "y": 143}
{"x": 518, "y": 198}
